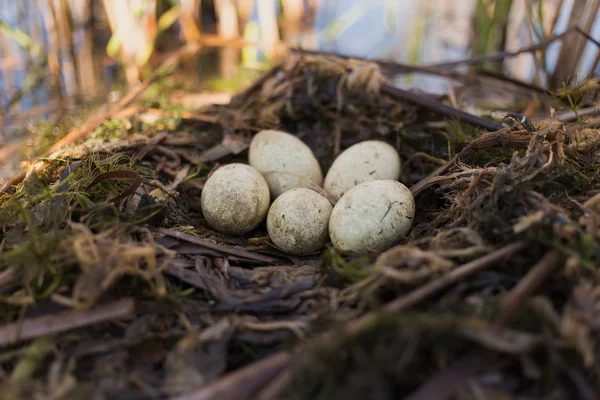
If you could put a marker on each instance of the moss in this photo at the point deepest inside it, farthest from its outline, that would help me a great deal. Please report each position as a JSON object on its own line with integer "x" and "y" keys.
{"x": 570, "y": 178}
{"x": 459, "y": 133}
{"x": 244, "y": 77}
{"x": 577, "y": 95}
{"x": 349, "y": 270}
{"x": 112, "y": 129}
{"x": 498, "y": 213}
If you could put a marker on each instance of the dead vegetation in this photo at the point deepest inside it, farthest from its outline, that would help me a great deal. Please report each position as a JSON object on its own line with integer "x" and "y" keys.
{"x": 494, "y": 293}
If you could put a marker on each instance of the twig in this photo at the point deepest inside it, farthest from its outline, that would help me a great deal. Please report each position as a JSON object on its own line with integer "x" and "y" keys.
{"x": 505, "y": 54}
{"x": 528, "y": 284}
{"x": 503, "y": 77}
{"x": 439, "y": 108}
{"x": 200, "y": 118}
{"x": 213, "y": 246}
{"x": 252, "y": 376}
{"x": 276, "y": 387}
{"x": 243, "y": 383}
{"x": 7, "y": 276}
{"x": 570, "y": 116}
{"x": 63, "y": 321}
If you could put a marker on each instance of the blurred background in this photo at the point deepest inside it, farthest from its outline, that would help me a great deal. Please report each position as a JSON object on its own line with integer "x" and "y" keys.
{"x": 58, "y": 55}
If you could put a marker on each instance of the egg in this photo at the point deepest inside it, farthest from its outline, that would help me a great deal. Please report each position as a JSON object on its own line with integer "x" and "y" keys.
{"x": 284, "y": 160}
{"x": 371, "y": 216}
{"x": 235, "y": 199}
{"x": 298, "y": 221}
{"x": 365, "y": 161}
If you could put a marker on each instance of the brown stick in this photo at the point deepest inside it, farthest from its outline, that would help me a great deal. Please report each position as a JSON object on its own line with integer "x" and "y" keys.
{"x": 243, "y": 383}
{"x": 437, "y": 107}
{"x": 528, "y": 284}
{"x": 505, "y": 54}
{"x": 64, "y": 321}
{"x": 8, "y": 275}
{"x": 252, "y": 376}
{"x": 276, "y": 387}
{"x": 213, "y": 246}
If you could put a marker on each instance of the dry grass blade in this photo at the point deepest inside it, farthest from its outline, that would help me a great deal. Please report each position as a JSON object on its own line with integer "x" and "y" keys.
{"x": 213, "y": 246}
{"x": 134, "y": 177}
{"x": 64, "y": 321}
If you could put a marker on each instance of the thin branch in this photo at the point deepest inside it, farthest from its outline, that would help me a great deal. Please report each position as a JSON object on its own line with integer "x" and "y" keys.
{"x": 243, "y": 383}
{"x": 439, "y": 108}
{"x": 8, "y": 275}
{"x": 528, "y": 284}
{"x": 64, "y": 321}
{"x": 502, "y": 55}
{"x": 213, "y": 246}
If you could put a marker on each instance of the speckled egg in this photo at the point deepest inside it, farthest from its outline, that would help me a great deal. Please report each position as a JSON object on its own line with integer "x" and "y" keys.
{"x": 298, "y": 221}
{"x": 365, "y": 161}
{"x": 235, "y": 199}
{"x": 285, "y": 161}
{"x": 371, "y": 216}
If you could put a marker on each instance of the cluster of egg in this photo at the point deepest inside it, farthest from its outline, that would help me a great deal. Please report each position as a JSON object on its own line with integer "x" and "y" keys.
{"x": 373, "y": 210}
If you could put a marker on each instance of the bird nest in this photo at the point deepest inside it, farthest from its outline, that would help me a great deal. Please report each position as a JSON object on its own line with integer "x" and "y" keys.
{"x": 113, "y": 284}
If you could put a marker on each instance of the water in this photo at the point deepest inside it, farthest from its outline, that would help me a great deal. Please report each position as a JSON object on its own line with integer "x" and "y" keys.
{"x": 409, "y": 31}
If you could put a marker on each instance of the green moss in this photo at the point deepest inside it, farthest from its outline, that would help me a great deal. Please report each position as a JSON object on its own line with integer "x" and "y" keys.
{"x": 459, "y": 133}
{"x": 576, "y": 95}
{"x": 112, "y": 129}
{"x": 38, "y": 242}
{"x": 244, "y": 77}
{"x": 337, "y": 267}
{"x": 568, "y": 177}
